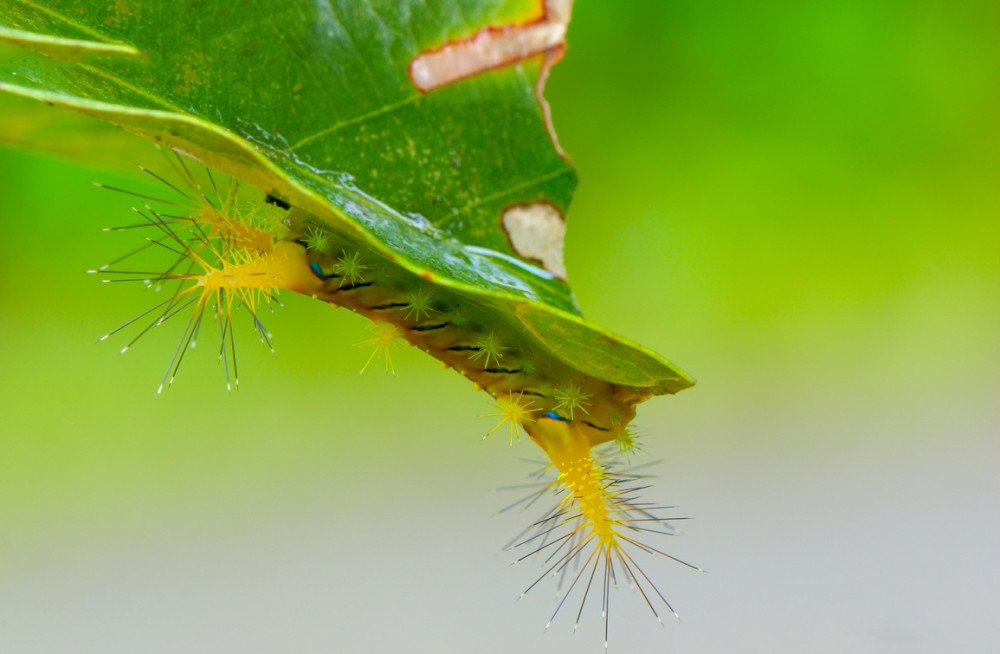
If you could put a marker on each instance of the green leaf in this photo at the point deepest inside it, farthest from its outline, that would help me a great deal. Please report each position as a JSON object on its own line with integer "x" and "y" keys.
{"x": 314, "y": 103}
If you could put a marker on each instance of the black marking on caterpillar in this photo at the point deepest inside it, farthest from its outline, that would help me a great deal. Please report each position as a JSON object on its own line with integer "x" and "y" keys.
{"x": 390, "y": 305}
{"x": 464, "y": 348}
{"x": 278, "y": 202}
{"x": 351, "y": 287}
{"x": 503, "y": 371}
{"x": 430, "y": 328}
{"x": 590, "y": 424}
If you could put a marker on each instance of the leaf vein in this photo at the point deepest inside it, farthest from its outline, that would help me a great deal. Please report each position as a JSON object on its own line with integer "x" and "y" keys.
{"x": 83, "y": 28}
{"x": 499, "y": 194}
{"x": 356, "y": 119}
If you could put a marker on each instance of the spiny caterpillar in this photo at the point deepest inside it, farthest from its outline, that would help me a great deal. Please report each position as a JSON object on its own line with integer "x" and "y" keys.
{"x": 227, "y": 255}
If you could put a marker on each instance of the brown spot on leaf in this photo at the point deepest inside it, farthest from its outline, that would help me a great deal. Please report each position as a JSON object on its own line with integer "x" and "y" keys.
{"x": 536, "y": 231}
{"x": 492, "y": 47}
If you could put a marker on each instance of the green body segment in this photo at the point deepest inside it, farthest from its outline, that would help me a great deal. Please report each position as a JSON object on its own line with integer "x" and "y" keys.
{"x": 482, "y": 342}
{"x": 569, "y": 413}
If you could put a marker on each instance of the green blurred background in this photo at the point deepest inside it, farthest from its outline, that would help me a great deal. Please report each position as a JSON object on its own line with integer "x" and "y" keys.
{"x": 797, "y": 203}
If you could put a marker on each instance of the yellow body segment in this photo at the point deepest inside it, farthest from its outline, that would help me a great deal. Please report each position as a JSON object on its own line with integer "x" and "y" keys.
{"x": 568, "y": 447}
{"x": 284, "y": 266}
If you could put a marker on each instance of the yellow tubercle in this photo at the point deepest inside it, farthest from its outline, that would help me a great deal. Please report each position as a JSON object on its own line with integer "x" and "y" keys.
{"x": 386, "y": 335}
{"x": 234, "y": 232}
{"x": 514, "y": 410}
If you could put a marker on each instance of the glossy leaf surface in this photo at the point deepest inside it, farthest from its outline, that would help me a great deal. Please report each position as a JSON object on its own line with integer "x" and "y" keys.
{"x": 313, "y": 102}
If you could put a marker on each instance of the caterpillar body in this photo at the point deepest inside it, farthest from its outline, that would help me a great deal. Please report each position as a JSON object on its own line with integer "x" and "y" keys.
{"x": 226, "y": 255}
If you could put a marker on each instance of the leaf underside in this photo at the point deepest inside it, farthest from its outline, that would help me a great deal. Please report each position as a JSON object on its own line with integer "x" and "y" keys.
{"x": 312, "y": 102}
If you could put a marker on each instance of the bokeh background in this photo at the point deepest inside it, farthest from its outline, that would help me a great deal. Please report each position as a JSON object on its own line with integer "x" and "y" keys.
{"x": 797, "y": 202}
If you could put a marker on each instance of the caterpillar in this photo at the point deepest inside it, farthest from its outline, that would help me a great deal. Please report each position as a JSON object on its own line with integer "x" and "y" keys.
{"x": 227, "y": 255}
